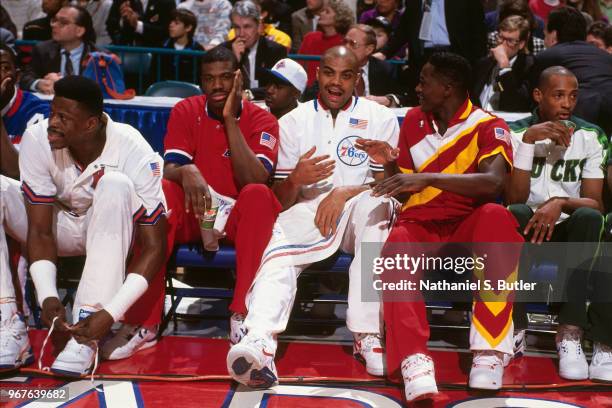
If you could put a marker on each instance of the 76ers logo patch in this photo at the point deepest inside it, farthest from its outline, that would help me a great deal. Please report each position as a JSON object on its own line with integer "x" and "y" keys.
{"x": 348, "y": 153}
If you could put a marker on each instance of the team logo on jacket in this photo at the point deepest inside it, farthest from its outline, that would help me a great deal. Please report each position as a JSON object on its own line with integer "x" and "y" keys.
{"x": 348, "y": 153}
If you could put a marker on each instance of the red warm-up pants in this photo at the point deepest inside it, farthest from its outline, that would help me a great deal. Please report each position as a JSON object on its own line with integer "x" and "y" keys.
{"x": 407, "y": 329}
{"x": 249, "y": 227}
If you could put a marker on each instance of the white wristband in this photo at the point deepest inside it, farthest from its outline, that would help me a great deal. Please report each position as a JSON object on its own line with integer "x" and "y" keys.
{"x": 44, "y": 274}
{"x": 133, "y": 288}
{"x": 523, "y": 157}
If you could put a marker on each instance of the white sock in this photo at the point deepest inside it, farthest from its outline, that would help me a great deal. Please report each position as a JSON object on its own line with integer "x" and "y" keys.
{"x": 8, "y": 308}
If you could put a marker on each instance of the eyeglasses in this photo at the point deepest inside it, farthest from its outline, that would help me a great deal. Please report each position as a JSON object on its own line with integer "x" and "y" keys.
{"x": 510, "y": 41}
{"x": 352, "y": 43}
{"x": 61, "y": 21}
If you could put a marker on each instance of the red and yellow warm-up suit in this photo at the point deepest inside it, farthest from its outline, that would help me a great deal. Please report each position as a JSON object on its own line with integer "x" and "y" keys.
{"x": 433, "y": 215}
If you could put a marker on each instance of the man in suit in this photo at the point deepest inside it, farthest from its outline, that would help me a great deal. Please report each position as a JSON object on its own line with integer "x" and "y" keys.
{"x": 72, "y": 40}
{"x": 501, "y": 80}
{"x": 40, "y": 28}
{"x": 139, "y": 22}
{"x": 565, "y": 36}
{"x": 304, "y": 21}
{"x": 253, "y": 51}
{"x": 379, "y": 81}
{"x": 439, "y": 25}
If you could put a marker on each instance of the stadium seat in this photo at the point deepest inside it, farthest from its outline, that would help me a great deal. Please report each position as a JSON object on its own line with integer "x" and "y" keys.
{"x": 176, "y": 89}
{"x": 133, "y": 63}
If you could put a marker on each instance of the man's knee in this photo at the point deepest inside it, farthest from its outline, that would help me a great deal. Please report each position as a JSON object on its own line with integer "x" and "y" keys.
{"x": 521, "y": 212}
{"x": 258, "y": 198}
{"x": 372, "y": 209}
{"x": 115, "y": 185}
{"x": 255, "y": 192}
{"x": 587, "y": 216}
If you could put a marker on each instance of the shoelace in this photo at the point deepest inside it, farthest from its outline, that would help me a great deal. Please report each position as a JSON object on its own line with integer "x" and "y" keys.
{"x": 94, "y": 346}
{"x": 486, "y": 360}
{"x": 418, "y": 361}
{"x": 564, "y": 346}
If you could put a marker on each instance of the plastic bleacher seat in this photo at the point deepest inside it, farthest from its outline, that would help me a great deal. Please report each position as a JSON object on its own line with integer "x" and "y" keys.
{"x": 176, "y": 89}
{"x": 133, "y": 63}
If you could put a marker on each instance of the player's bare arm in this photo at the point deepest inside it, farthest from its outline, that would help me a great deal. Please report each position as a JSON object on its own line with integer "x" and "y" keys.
{"x": 381, "y": 152}
{"x": 309, "y": 170}
{"x": 9, "y": 158}
{"x": 487, "y": 184}
{"x": 152, "y": 241}
{"x": 41, "y": 246}
{"x": 247, "y": 167}
{"x": 197, "y": 194}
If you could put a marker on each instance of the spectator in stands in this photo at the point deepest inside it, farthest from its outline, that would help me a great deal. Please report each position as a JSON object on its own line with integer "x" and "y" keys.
{"x": 252, "y": 50}
{"x": 304, "y": 21}
{"x": 435, "y": 25}
{"x": 6, "y": 22}
{"x": 597, "y": 35}
{"x": 542, "y": 8}
{"x": 213, "y": 20}
{"x": 20, "y": 109}
{"x": 589, "y": 7}
{"x": 457, "y": 206}
{"x": 6, "y": 37}
{"x": 507, "y": 8}
{"x": 555, "y": 192}
{"x": 181, "y": 31}
{"x": 40, "y": 29}
{"x": 606, "y": 8}
{"x": 266, "y": 27}
{"x": 565, "y": 39}
{"x": 202, "y": 131}
{"x": 99, "y": 10}
{"x": 501, "y": 80}
{"x": 521, "y": 8}
{"x": 389, "y": 9}
{"x": 64, "y": 55}
{"x": 22, "y": 11}
{"x": 285, "y": 86}
{"x": 382, "y": 28}
{"x": 334, "y": 21}
{"x": 364, "y": 5}
{"x": 139, "y": 22}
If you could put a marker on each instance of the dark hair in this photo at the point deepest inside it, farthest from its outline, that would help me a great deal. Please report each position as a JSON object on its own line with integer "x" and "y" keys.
{"x": 187, "y": 18}
{"x": 270, "y": 7}
{"x": 83, "y": 90}
{"x": 598, "y": 29}
{"x": 608, "y": 36}
{"x": 549, "y": 72}
{"x": 84, "y": 20}
{"x": 10, "y": 51}
{"x": 521, "y": 8}
{"x": 453, "y": 67}
{"x": 569, "y": 24}
{"x": 219, "y": 54}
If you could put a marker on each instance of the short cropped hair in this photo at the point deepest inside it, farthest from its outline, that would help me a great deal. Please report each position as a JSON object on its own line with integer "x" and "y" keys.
{"x": 453, "y": 67}
{"x": 246, "y": 9}
{"x": 85, "y": 91}
{"x": 569, "y": 23}
{"x": 219, "y": 54}
{"x": 187, "y": 18}
{"x": 516, "y": 23}
{"x": 11, "y": 52}
{"x": 369, "y": 32}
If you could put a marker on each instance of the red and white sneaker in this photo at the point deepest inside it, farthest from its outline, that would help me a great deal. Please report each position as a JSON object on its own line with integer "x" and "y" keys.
{"x": 251, "y": 362}
{"x": 419, "y": 377}
{"x": 487, "y": 370}
{"x": 129, "y": 340}
{"x": 237, "y": 328}
{"x": 368, "y": 348}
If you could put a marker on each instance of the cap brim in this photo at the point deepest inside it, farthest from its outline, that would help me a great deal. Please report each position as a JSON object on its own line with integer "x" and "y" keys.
{"x": 278, "y": 77}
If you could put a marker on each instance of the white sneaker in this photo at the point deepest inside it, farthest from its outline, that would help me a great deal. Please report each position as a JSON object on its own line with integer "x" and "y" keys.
{"x": 572, "y": 361}
{"x": 251, "y": 362}
{"x": 368, "y": 348}
{"x": 518, "y": 348}
{"x": 237, "y": 328}
{"x": 75, "y": 359}
{"x": 601, "y": 363}
{"x": 419, "y": 377}
{"x": 487, "y": 371}
{"x": 15, "y": 350}
{"x": 128, "y": 340}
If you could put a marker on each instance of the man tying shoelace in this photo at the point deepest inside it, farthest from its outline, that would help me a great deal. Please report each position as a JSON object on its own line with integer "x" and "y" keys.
{"x": 90, "y": 187}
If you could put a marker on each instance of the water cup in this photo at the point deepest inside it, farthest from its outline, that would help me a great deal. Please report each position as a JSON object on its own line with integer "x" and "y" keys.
{"x": 207, "y": 223}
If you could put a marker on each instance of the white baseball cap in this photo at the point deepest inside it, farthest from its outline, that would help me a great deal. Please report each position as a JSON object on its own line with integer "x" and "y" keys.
{"x": 289, "y": 71}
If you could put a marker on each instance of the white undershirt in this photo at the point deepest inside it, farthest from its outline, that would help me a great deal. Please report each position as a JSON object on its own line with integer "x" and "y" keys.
{"x": 252, "y": 59}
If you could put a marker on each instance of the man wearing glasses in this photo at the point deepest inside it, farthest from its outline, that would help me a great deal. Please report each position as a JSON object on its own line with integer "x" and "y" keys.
{"x": 72, "y": 40}
{"x": 501, "y": 79}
